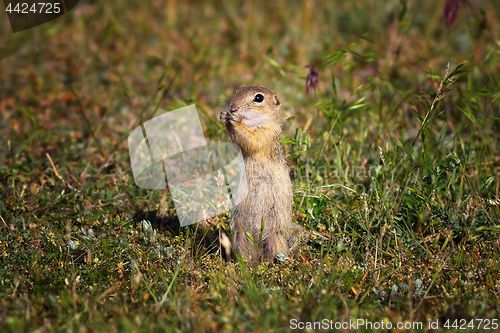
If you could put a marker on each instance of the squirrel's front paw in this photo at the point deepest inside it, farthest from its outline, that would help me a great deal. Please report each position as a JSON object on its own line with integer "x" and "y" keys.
{"x": 235, "y": 118}
{"x": 227, "y": 117}
{"x": 224, "y": 117}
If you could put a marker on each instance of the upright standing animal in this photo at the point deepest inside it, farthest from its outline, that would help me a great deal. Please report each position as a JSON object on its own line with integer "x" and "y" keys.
{"x": 253, "y": 122}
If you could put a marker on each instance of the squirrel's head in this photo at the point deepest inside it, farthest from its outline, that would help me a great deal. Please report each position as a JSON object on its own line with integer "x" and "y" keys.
{"x": 257, "y": 105}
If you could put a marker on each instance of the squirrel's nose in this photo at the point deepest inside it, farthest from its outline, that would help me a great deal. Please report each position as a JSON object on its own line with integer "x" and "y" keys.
{"x": 232, "y": 108}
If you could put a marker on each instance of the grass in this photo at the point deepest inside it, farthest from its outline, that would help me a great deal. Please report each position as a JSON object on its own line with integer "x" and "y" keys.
{"x": 395, "y": 165}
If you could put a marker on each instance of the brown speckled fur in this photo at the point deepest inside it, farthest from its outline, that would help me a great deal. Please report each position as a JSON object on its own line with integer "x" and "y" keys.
{"x": 270, "y": 193}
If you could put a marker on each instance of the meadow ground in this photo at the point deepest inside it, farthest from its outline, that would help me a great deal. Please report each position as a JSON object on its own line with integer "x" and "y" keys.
{"x": 394, "y": 160}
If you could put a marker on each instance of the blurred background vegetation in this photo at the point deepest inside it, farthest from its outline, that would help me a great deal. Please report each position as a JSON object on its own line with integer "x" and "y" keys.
{"x": 395, "y": 169}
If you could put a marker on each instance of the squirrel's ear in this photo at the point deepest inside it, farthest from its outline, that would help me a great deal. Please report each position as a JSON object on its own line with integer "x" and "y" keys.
{"x": 277, "y": 102}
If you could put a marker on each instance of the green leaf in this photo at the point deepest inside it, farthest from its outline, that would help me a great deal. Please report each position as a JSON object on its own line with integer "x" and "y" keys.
{"x": 287, "y": 140}
{"x": 495, "y": 97}
{"x": 335, "y": 57}
{"x": 467, "y": 112}
{"x": 27, "y": 112}
{"x": 274, "y": 64}
{"x": 358, "y": 104}
{"x": 495, "y": 228}
{"x": 162, "y": 76}
{"x": 250, "y": 237}
{"x": 334, "y": 85}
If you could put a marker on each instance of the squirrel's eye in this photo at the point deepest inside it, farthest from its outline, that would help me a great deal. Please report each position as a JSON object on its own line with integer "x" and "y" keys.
{"x": 258, "y": 98}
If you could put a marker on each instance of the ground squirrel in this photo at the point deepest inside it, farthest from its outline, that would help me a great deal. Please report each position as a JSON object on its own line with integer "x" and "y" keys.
{"x": 253, "y": 121}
